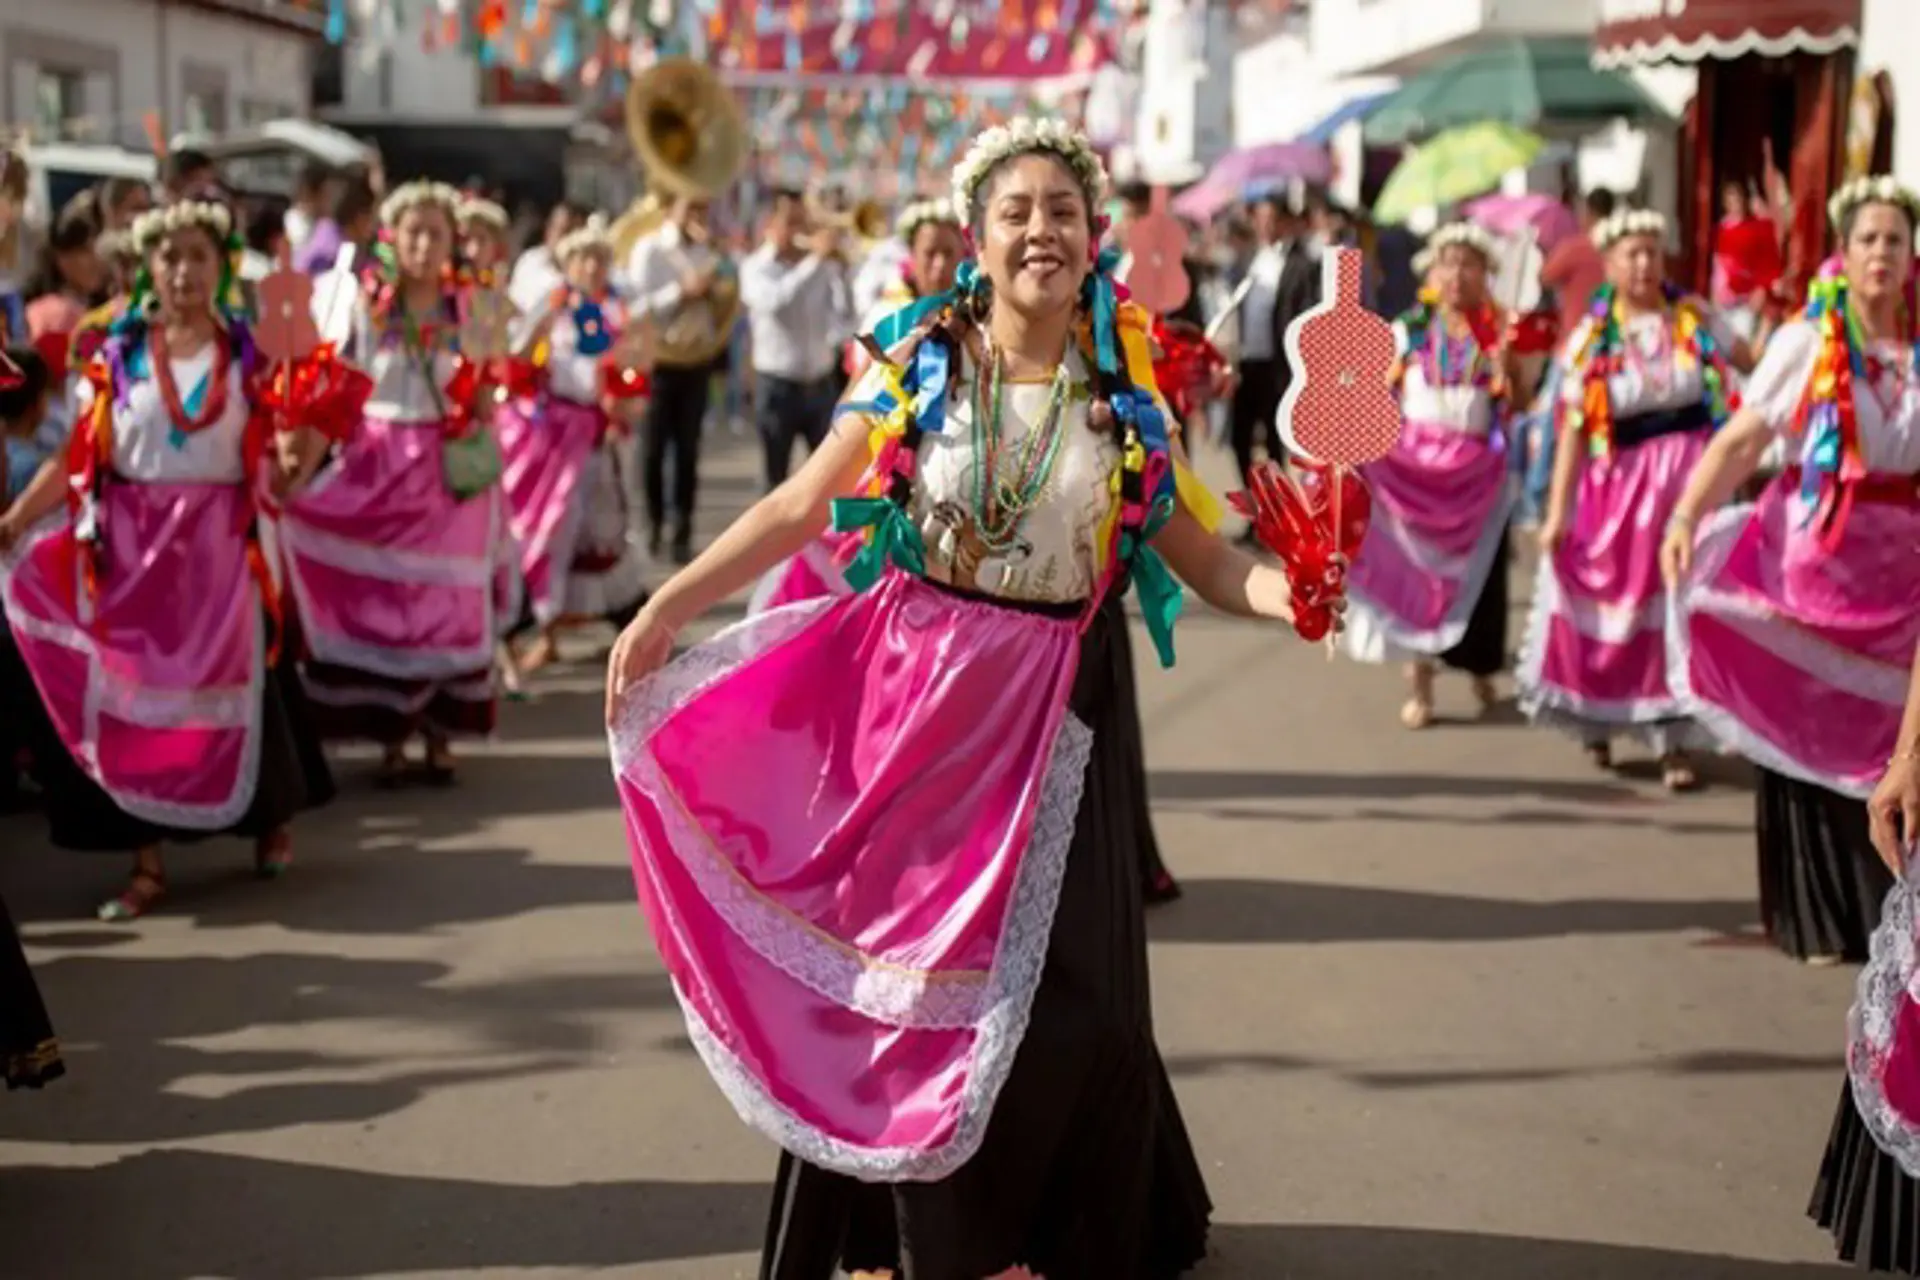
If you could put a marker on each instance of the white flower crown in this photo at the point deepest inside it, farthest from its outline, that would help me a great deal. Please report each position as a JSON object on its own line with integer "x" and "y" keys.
{"x": 1024, "y": 136}
{"x": 919, "y": 214}
{"x": 1629, "y": 222}
{"x": 155, "y": 225}
{"x": 475, "y": 209}
{"x": 414, "y": 195}
{"x": 1882, "y": 189}
{"x": 593, "y": 237}
{"x": 1470, "y": 235}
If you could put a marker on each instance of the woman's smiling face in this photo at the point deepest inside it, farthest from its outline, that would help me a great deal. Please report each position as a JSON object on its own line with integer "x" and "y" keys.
{"x": 1034, "y": 232}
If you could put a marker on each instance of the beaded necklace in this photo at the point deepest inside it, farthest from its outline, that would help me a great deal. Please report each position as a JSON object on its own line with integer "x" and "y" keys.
{"x": 1604, "y": 355}
{"x": 1449, "y": 361}
{"x": 1000, "y": 502}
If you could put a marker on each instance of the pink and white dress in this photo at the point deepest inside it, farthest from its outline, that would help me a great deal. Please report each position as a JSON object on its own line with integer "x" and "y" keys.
{"x": 144, "y": 619}
{"x": 1594, "y": 657}
{"x": 402, "y": 590}
{"x": 565, "y": 503}
{"x": 1441, "y": 503}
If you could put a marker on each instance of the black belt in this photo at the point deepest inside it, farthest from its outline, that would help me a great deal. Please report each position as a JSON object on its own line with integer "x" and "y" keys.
{"x": 1642, "y": 427}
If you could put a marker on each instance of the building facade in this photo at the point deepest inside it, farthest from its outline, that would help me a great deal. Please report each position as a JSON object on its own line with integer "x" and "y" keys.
{"x": 118, "y": 71}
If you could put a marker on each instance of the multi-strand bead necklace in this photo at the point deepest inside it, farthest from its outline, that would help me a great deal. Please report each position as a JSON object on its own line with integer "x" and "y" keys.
{"x": 1003, "y": 498}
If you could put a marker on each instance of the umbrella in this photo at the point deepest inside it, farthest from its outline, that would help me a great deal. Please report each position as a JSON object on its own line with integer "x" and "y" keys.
{"x": 1251, "y": 172}
{"x": 1455, "y": 165}
{"x": 1523, "y": 80}
{"x": 1551, "y": 221}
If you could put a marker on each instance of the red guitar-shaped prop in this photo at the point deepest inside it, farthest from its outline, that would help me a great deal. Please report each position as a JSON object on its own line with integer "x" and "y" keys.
{"x": 1157, "y": 277}
{"x": 1338, "y": 414}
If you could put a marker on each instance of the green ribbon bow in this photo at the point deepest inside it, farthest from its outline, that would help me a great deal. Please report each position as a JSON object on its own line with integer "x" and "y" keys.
{"x": 1159, "y": 592}
{"x": 893, "y": 538}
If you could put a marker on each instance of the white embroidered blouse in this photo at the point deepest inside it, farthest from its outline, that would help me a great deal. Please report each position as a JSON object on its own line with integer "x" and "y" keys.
{"x": 401, "y": 391}
{"x": 1056, "y": 558}
{"x": 1465, "y": 408}
{"x": 1887, "y": 412}
{"x": 147, "y": 447}
{"x": 1655, "y": 373}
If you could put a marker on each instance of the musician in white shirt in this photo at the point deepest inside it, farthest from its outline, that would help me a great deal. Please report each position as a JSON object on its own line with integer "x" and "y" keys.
{"x": 676, "y": 265}
{"x": 800, "y": 306}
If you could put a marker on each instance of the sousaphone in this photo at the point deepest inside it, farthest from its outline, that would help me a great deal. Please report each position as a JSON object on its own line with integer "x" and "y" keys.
{"x": 689, "y": 137}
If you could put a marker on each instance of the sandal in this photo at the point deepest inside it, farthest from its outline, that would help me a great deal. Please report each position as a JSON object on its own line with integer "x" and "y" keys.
{"x": 1601, "y": 753}
{"x": 393, "y": 772}
{"x": 439, "y": 770}
{"x": 1484, "y": 693}
{"x": 1163, "y": 888}
{"x": 1416, "y": 713}
{"x": 1677, "y": 775}
{"x": 144, "y": 889}
{"x": 273, "y": 855}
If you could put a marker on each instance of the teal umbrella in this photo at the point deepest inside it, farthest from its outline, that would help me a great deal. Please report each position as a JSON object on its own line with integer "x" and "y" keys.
{"x": 1528, "y": 81}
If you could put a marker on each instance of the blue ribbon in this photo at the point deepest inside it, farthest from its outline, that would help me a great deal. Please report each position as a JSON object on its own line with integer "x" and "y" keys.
{"x": 892, "y": 538}
{"x": 893, "y": 329}
{"x": 927, "y": 381}
{"x": 1106, "y": 307}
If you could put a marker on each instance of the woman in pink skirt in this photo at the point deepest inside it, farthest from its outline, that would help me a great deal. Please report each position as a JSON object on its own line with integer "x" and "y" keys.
{"x": 935, "y": 248}
{"x": 146, "y": 617}
{"x": 1430, "y": 584}
{"x": 398, "y": 555}
{"x": 567, "y": 508}
{"x": 1647, "y": 384}
{"x": 1795, "y": 615}
{"x": 882, "y": 836}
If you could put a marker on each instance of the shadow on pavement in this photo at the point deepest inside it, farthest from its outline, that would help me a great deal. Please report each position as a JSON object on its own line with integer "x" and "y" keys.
{"x": 1405, "y": 1253}
{"x": 178, "y": 1215}
{"x": 1297, "y": 911}
{"x": 1300, "y": 785}
{"x": 1712, "y": 1063}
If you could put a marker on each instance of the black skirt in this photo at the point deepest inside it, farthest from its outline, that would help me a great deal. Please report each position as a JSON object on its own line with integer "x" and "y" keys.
{"x": 1482, "y": 651}
{"x": 1865, "y": 1199}
{"x": 293, "y": 770}
{"x": 1086, "y": 1169}
{"x": 1821, "y": 884}
{"x": 29, "y": 1054}
{"x": 1156, "y": 882}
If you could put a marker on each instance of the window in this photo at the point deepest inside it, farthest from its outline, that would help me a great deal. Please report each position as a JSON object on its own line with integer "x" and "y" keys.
{"x": 60, "y": 100}
{"x": 203, "y": 112}
{"x": 255, "y": 111}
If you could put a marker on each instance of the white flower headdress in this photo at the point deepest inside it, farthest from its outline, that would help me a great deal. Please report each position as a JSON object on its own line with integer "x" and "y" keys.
{"x": 155, "y": 225}
{"x": 919, "y": 214}
{"x": 1880, "y": 189}
{"x": 1629, "y": 222}
{"x": 1024, "y": 136}
{"x": 592, "y": 237}
{"x": 1470, "y": 235}
{"x": 475, "y": 209}
{"x": 414, "y": 195}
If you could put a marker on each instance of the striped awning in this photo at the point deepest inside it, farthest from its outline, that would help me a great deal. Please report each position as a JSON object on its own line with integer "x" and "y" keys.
{"x": 1649, "y": 32}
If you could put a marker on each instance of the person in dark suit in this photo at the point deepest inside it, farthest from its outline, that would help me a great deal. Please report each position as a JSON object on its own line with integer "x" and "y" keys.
{"x": 1285, "y": 276}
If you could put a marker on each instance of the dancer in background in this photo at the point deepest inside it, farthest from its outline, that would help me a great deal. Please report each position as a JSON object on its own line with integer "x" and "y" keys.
{"x": 1647, "y": 385}
{"x": 1796, "y": 615}
{"x": 162, "y": 715}
{"x": 565, "y": 501}
{"x": 1430, "y": 583}
{"x": 398, "y": 556}
{"x": 484, "y": 248}
{"x": 769, "y": 775}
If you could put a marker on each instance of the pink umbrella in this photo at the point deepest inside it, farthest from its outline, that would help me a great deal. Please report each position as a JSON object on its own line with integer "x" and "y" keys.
{"x": 1551, "y": 221}
{"x": 1251, "y": 172}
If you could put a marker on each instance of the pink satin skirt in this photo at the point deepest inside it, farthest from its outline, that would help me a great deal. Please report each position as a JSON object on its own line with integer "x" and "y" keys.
{"x": 1594, "y": 659}
{"x": 1796, "y": 655}
{"x": 1441, "y": 502}
{"x": 815, "y": 572}
{"x": 154, "y": 685}
{"x": 849, "y": 821}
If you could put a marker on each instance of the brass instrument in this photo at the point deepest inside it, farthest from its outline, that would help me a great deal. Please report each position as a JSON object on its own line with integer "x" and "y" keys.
{"x": 865, "y": 225}
{"x": 687, "y": 132}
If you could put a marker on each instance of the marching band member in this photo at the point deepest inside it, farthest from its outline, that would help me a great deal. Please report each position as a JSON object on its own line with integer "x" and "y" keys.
{"x": 162, "y": 714}
{"x": 681, "y": 282}
{"x": 1795, "y": 615}
{"x": 955, "y": 715}
{"x": 1430, "y": 583}
{"x": 1647, "y": 384}
{"x": 565, "y": 502}
{"x": 397, "y": 556}
{"x": 795, "y": 290}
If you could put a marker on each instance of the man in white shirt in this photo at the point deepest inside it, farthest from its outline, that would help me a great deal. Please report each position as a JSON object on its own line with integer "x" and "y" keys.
{"x": 674, "y": 267}
{"x": 800, "y": 306}
{"x": 535, "y": 274}
{"x": 1285, "y": 281}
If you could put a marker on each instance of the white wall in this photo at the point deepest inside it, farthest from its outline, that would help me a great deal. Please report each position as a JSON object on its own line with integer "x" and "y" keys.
{"x": 150, "y": 49}
{"x": 1889, "y": 34}
{"x": 1354, "y": 36}
{"x": 1280, "y": 90}
{"x": 398, "y": 75}
{"x": 1186, "y": 90}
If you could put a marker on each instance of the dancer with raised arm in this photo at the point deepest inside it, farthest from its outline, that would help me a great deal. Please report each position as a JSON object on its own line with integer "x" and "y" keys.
{"x": 1430, "y": 583}
{"x": 1647, "y": 385}
{"x": 885, "y": 832}
{"x": 147, "y": 617}
{"x": 1795, "y": 615}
